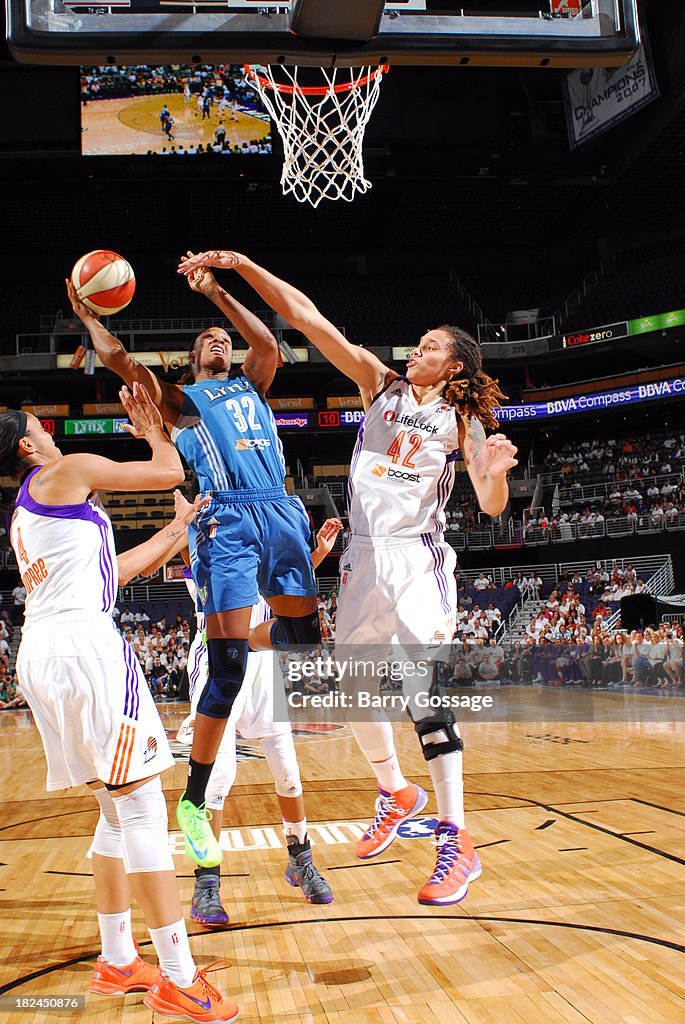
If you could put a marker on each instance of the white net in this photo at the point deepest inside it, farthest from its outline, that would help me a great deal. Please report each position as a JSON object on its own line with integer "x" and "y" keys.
{"x": 322, "y": 127}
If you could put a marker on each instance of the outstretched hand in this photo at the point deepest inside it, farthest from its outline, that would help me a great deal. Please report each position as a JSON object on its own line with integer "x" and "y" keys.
{"x": 497, "y": 456}
{"x": 325, "y": 538}
{"x": 141, "y": 411}
{"x": 185, "y": 511}
{"x": 201, "y": 279}
{"x": 83, "y": 312}
{"x": 224, "y": 258}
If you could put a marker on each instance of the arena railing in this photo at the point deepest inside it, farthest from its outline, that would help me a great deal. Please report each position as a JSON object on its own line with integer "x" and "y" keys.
{"x": 481, "y": 539}
{"x": 591, "y": 492}
{"x": 645, "y": 566}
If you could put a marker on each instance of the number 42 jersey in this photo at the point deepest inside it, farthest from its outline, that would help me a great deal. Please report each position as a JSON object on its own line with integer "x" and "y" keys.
{"x": 403, "y": 465}
{"x": 227, "y": 434}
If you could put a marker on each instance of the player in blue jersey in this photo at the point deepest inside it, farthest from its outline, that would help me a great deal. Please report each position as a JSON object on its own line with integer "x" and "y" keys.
{"x": 252, "y": 538}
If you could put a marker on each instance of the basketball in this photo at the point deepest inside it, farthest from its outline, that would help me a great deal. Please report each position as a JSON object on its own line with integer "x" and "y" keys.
{"x": 104, "y": 281}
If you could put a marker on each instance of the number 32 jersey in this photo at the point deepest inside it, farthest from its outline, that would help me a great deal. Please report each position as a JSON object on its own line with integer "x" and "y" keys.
{"x": 227, "y": 434}
{"x": 403, "y": 465}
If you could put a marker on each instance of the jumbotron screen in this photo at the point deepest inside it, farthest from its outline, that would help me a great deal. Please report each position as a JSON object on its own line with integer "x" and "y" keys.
{"x": 171, "y": 109}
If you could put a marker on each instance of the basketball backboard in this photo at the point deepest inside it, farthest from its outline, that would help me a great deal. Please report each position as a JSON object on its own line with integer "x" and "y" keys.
{"x": 545, "y": 33}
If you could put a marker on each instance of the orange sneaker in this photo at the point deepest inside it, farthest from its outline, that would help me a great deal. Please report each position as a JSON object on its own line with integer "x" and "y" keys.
{"x": 199, "y": 1001}
{"x": 110, "y": 980}
{"x": 391, "y": 810}
{"x": 457, "y": 864}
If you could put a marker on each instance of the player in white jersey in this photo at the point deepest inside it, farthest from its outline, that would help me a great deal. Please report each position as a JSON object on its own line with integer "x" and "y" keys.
{"x": 90, "y": 701}
{"x": 253, "y": 716}
{"x": 397, "y": 584}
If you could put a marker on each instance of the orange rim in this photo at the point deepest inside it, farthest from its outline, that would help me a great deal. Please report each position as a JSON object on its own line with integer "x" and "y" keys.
{"x": 313, "y": 90}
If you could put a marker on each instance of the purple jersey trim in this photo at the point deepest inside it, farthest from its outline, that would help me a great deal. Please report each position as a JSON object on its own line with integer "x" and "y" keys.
{"x": 438, "y": 571}
{"x": 83, "y": 511}
{"x": 86, "y": 513}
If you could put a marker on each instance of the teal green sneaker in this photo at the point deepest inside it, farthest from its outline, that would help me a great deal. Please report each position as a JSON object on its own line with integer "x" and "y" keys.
{"x": 200, "y": 842}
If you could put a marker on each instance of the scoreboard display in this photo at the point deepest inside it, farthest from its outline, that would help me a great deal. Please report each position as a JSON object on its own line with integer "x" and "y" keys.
{"x": 296, "y": 421}
{"x": 340, "y": 418}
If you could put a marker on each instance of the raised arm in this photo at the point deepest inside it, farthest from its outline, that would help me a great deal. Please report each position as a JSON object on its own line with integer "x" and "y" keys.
{"x": 72, "y": 478}
{"x": 364, "y": 368}
{"x": 488, "y": 460}
{"x": 146, "y": 558}
{"x": 167, "y": 397}
{"x": 261, "y": 361}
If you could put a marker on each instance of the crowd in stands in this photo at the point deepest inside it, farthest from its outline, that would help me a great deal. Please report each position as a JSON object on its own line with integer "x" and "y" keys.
{"x": 161, "y": 647}
{"x": 217, "y": 81}
{"x": 642, "y": 488}
{"x": 221, "y": 146}
{"x": 10, "y": 691}
{"x": 647, "y": 658}
{"x": 635, "y": 457}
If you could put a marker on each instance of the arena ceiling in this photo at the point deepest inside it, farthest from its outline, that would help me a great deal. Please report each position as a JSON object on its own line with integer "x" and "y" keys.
{"x": 472, "y": 161}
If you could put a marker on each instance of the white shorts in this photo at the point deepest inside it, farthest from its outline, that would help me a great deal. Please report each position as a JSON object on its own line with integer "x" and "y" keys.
{"x": 91, "y": 703}
{"x": 396, "y": 592}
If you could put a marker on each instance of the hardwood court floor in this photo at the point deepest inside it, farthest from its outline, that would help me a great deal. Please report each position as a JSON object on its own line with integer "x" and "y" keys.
{"x": 578, "y": 916}
{"x": 131, "y": 125}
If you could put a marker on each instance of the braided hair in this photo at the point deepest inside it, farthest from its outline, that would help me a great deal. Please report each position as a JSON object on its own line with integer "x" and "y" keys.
{"x": 472, "y": 392}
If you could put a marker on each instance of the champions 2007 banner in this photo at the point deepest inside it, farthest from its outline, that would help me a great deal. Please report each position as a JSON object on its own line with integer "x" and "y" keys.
{"x": 598, "y": 98}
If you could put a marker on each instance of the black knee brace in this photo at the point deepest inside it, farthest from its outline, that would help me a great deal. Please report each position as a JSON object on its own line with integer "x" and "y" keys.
{"x": 442, "y": 721}
{"x": 288, "y": 632}
{"x": 227, "y": 663}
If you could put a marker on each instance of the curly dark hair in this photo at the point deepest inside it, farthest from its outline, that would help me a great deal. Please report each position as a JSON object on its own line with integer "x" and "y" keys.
{"x": 472, "y": 393}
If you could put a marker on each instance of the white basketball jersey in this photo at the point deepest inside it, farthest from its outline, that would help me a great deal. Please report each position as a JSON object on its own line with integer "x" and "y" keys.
{"x": 402, "y": 469}
{"x": 66, "y": 556}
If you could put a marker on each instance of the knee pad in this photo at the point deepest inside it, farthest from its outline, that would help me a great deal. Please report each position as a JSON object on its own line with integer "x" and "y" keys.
{"x": 144, "y": 828}
{"x": 442, "y": 727}
{"x": 227, "y": 664}
{"x": 279, "y": 751}
{"x": 288, "y": 632}
{"x": 107, "y": 836}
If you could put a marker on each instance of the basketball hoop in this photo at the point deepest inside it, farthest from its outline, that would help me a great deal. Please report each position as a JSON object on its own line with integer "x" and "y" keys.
{"x": 322, "y": 127}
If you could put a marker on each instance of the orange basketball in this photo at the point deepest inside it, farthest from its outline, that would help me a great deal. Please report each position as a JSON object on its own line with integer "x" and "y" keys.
{"x": 104, "y": 281}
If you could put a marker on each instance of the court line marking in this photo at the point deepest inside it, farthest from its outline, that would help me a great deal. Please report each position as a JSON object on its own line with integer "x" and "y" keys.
{"x": 368, "y": 864}
{"x": 599, "y": 828}
{"x": 465, "y": 919}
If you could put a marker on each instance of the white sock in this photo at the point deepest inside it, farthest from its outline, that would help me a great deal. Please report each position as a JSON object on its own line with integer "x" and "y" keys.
{"x": 376, "y": 742}
{"x": 448, "y": 783}
{"x": 296, "y": 828}
{"x": 173, "y": 951}
{"x": 117, "y": 938}
{"x": 389, "y": 774}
